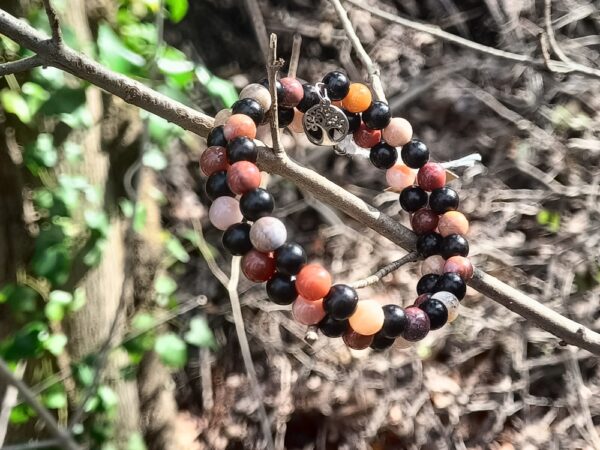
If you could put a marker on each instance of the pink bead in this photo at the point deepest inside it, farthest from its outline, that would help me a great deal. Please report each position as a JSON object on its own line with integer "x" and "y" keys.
{"x": 213, "y": 159}
{"x": 224, "y": 212}
{"x": 461, "y": 266}
{"x": 243, "y": 176}
{"x": 453, "y": 222}
{"x": 308, "y": 312}
{"x": 292, "y": 92}
{"x": 433, "y": 264}
{"x": 399, "y": 177}
{"x": 398, "y": 132}
{"x": 431, "y": 176}
{"x": 239, "y": 125}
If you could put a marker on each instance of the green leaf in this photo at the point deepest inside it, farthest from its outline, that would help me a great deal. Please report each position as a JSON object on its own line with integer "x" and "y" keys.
{"x": 21, "y": 414}
{"x": 199, "y": 333}
{"x": 55, "y": 344}
{"x": 136, "y": 442}
{"x": 139, "y": 220}
{"x": 176, "y": 249}
{"x": 178, "y": 9}
{"x": 97, "y": 221}
{"x": 171, "y": 350}
{"x": 61, "y": 297}
{"x": 143, "y": 321}
{"x": 41, "y": 152}
{"x": 94, "y": 256}
{"x": 55, "y": 397}
{"x": 108, "y": 397}
{"x": 20, "y": 298}
{"x": 84, "y": 374}
{"x": 115, "y": 54}
{"x": 26, "y": 342}
{"x": 64, "y": 101}
{"x": 73, "y": 152}
{"x": 165, "y": 285}
{"x": 54, "y": 263}
{"x": 55, "y": 312}
{"x": 155, "y": 159}
{"x": 14, "y": 103}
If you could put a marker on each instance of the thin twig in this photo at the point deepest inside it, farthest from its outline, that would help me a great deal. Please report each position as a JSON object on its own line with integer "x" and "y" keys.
{"x": 273, "y": 66}
{"x": 295, "y": 56}
{"x": 48, "y": 443}
{"x": 21, "y": 65}
{"x": 65, "y": 439}
{"x": 385, "y": 270}
{"x": 552, "y": 37}
{"x": 54, "y": 22}
{"x": 10, "y": 401}
{"x": 260, "y": 30}
{"x": 371, "y": 68}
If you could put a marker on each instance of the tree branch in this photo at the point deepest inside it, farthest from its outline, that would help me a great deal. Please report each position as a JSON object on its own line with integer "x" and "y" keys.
{"x": 260, "y": 30}
{"x": 21, "y": 65}
{"x": 273, "y": 66}
{"x": 54, "y": 22}
{"x": 385, "y": 270}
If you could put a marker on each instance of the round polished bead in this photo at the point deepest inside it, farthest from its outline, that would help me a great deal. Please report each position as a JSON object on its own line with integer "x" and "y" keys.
{"x": 431, "y": 176}
{"x": 429, "y": 244}
{"x": 415, "y": 154}
{"x": 354, "y": 121}
{"x": 331, "y": 327}
{"x": 358, "y": 98}
{"x": 437, "y": 313}
{"x": 433, "y": 264}
{"x": 418, "y": 324}
{"x": 278, "y": 88}
{"x": 313, "y": 282}
{"x": 427, "y": 283}
{"x": 453, "y": 283}
{"x": 413, "y": 198}
{"x": 213, "y": 159}
{"x": 310, "y": 98}
{"x": 285, "y": 116}
{"x": 422, "y": 298}
{"x": 241, "y": 149}
{"x": 250, "y": 108}
{"x": 236, "y": 239}
{"x": 224, "y": 212}
{"x": 216, "y": 137}
{"x": 394, "y": 322}
{"x": 366, "y": 138}
{"x": 424, "y": 221}
{"x": 292, "y": 92}
{"x": 308, "y": 312}
{"x": 377, "y": 116}
{"x": 239, "y": 125}
{"x": 459, "y": 265}
{"x": 355, "y": 340}
{"x": 340, "y": 302}
{"x": 337, "y": 85}
{"x": 290, "y": 258}
{"x": 398, "y": 132}
{"x": 443, "y": 200}
{"x": 454, "y": 245}
{"x": 243, "y": 176}
{"x": 297, "y": 125}
{"x": 216, "y": 186}
{"x": 256, "y": 204}
{"x": 453, "y": 222}
{"x": 259, "y": 93}
{"x": 368, "y": 317}
{"x": 381, "y": 342}
{"x": 399, "y": 177}
{"x": 268, "y": 234}
{"x": 383, "y": 156}
{"x": 281, "y": 289}
{"x": 222, "y": 116}
{"x": 258, "y": 266}
{"x": 450, "y": 302}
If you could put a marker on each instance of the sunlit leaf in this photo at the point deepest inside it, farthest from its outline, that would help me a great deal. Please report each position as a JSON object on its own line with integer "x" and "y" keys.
{"x": 199, "y": 333}
{"x": 171, "y": 350}
{"x": 177, "y": 9}
{"x": 14, "y": 103}
{"x": 165, "y": 285}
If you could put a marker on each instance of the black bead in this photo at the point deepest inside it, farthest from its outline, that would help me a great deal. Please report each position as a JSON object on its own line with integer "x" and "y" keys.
{"x": 415, "y": 154}
{"x": 429, "y": 244}
{"x": 256, "y": 203}
{"x": 278, "y": 87}
{"x": 281, "y": 289}
{"x": 383, "y": 156}
{"x": 427, "y": 283}
{"x": 354, "y": 121}
{"x": 310, "y": 99}
{"x": 236, "y": 239}
{"x": 453, "y": 283}
{"x": 340, "y": 302}
{"x": 395, "y": 321}
{"x": 412, "y": 198}
{"x": 290, "y": 258}
{"x": 216, "y": 186}
{"x": 250, "y": 108}
{"x": 454, "y": 245}
{"x": 436, "y": 311}
{"x": 332, "y": 328}
{"x": 381, "y": 342}
{"x": 216, "y": 137}
{"x": 443, "y": 200}
{"x": 241, "y": 149}
{"x": 337, "y": 85}
{"x": 285, "y": 116}
{"x": 377, "y": 116}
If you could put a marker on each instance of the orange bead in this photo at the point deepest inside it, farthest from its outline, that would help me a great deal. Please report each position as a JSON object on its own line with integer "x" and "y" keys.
{"x": 453, "y": 222}
{"x": 313, "y": 282}
{"x": 368, "y": 317}
{"x": 308, "y": 312}
{"x": 461, "y": 266}
{"x": 399, "y": 177}
{"x": 358, "y": 98}
{"x": 239, "y": 125}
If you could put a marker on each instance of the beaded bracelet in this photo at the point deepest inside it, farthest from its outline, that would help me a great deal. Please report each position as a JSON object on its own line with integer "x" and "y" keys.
{"x": 329, "y": 112}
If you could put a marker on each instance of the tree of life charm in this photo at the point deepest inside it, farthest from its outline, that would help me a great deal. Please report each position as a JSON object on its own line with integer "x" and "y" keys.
{"x": 325, "y": 124}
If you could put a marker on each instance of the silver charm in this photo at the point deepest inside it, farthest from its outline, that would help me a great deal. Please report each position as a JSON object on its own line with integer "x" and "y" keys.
{"x": 324, "y": 123}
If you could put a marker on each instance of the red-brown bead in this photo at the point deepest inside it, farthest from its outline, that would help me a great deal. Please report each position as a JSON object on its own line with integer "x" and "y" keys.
{"x": 258, "y": 266}
{"x": 213, "y": 159}
{"x": 356, "y": 340}
{"x": 459, "y": 265}
{"x": 366, "y": 138}
{"x": 243, "y": 176}
{"x": 239, "y": 125}
{"x": 292, "y": 92}
{"x": 424, "y": 221}
{"x": 431, "y": 176}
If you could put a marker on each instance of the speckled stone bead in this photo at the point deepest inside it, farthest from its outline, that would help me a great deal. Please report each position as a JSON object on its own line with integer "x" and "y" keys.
{"x": 258, "y": 266}
{"x": 450, "y": 302}
{"x": 418, "y": 324}
{"x": 222, "y": 117}
{"x": 356, "y": 341}
{"x": 459, "y": 265}
{"x": 398, "y": 132}
{"x": 239, "y": 125}
{"x": 424, "y": 221}
{"x": 453, "y": 222}
{"x": 431, "y": 176}
{"x": 243, "y": 176}
{"x": 433, "y": 264}
{"x": 358, "y": 98}
{"x": 259, "y": 93}
{"x": 268, "y": 234}
{"x": 224, "y": 212}
{"x": 365, "y": 137}
{"x": 368, "y": 317}
{"x": 213, "y": 159}
{"x": 308, "y": 312}
{"x": 292, "y": 92}
{"x": 400, "y": 176}
{"x": 313, "y": 282}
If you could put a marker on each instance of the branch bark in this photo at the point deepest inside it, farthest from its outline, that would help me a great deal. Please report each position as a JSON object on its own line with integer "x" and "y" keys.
{"x": 21, "y": 65}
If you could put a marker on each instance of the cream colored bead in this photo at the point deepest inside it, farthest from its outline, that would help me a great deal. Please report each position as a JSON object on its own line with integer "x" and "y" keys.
{"x": 433, "y": 264}
{"x": 268, "y": 234}
{"x": 450, "y": 302}
{"x": 224, "y": 212}
{"x": 222, "y": 117}
{"x": 259, "y": 93}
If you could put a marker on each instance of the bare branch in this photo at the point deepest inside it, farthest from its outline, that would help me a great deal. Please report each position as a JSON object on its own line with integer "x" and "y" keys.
{"x": 273, "y": 66}
{"x": 54, "y": 22}
{"x": 295, "y": 56}
{"x": 21, "y": 65}
{"x": 260, "y": 30}
{"x": 65, "y": 439}
{"x": 386, "y": 270}
{"x": 371, "y": 68}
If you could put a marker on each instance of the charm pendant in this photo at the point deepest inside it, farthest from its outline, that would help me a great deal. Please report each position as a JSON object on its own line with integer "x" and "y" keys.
{"x": 324, "y": 123}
